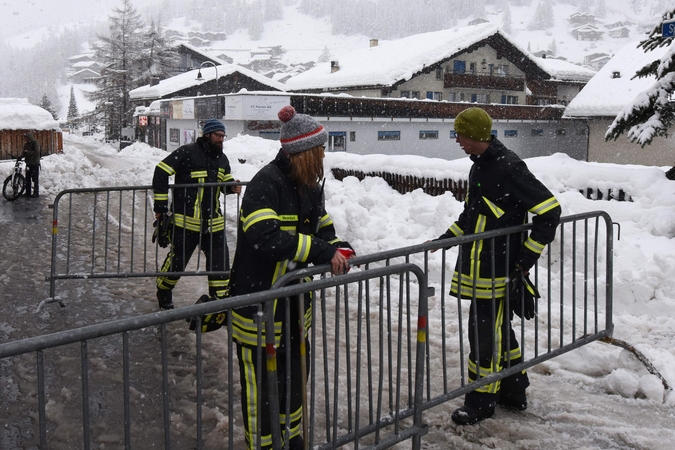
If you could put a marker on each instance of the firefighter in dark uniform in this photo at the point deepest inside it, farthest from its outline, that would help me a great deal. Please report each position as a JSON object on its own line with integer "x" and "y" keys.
{"x": 195, "y": 213}
{"x": 283, "y": 226}
{"x": 502, "y": 191}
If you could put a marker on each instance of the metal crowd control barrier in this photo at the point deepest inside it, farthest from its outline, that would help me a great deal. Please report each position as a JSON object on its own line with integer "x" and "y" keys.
{"x": 381, "y": 355}
{"x": 574, "y": 276}
{"x": 141, "y": 398}
{"x": 105, "y": 233}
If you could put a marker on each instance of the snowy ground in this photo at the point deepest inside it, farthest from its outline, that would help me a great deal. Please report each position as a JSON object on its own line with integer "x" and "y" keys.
{"x": 595, "y": 397}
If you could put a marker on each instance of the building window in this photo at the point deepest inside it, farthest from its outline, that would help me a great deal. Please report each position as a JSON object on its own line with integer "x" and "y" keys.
{"x": 453, "y": 134}
{"x": 561, "y": 132}
{"x": 509, "y": 99}
{"x": 438, "y": 96}
{"x": 480, "y": 98}
{"x": 503, "y": 70}
{"x": 439, "y": 73}
{"x": 459, "y": 66}
{"x": 456, "y": 97}
{"x": 472, "y": 67}
{"x": 388, "y": 135}
{"x": 337, "y": 141}
{"x": 410, "y": 94}
{"x": 428, "y": 134}
{"x": 493, "y": 133}
{"x": 510, "y": 133}
{"x": 352, "y": 136}
{"x": 537, "y": 132}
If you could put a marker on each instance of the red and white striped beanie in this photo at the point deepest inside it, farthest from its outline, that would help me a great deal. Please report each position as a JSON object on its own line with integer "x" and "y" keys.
{"x": 300, "y": 132}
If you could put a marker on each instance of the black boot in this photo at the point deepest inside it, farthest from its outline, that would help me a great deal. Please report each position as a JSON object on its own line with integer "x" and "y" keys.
{"x": 468, "y": 415}
{"x": 165, "y": 299}
{"x": 516, "y": 401}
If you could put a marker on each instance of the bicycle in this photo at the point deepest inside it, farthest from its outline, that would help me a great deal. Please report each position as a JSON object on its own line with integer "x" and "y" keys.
{"x": 15, "y": 183}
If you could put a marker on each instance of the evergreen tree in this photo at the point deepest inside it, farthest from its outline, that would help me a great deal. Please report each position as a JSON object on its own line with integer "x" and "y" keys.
{"x": 652, "y": 113}
{"x": 119, "y": 52}
{"x": 325, "y": 55}
{"x": 543, "y": 16}
{"x": 255, "y": 24}
{"x": 273, "y": 10}
{"x": 158, "y": 58}
{"x": 553, "y": 48}
{"x": 507, "y": 23}
{"x": 46, "y": 104}
{"x": 601, "y": 9}
{"x": 73, "y": 115}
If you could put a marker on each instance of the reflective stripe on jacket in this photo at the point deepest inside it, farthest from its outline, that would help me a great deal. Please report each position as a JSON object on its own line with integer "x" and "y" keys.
{"x": 502, "y": 191}
{"x": 196, "y": 209}
{"x": 280, "y": 229}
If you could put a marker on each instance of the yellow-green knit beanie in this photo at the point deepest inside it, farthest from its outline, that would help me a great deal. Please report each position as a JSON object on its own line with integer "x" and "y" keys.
{"x": 475, "y": 124}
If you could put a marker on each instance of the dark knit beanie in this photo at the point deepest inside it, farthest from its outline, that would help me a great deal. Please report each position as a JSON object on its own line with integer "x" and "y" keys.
{"x": 213, "y": 125}
{"x": 299, "y": 132}
{"x": 475, "y": 124}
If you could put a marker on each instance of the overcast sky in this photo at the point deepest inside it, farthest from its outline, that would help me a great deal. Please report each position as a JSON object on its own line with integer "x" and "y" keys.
{"x": 20, "y": 16}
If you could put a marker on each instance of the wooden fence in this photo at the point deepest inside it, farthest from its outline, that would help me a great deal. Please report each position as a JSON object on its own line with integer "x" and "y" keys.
{"x": 11, "y": 142}
{"x": 433, "y": 186}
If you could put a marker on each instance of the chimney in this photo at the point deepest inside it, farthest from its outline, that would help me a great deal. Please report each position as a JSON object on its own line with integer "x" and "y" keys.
{"x": 154, "y": 81}
{"x": 334, "y": 66}
{"x": 373, "y": 42}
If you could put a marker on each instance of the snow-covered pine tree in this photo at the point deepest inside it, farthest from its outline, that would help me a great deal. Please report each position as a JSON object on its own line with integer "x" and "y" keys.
{"x": 46, "y": 104}
{"x": 73, "y": 113}
{"x": 543, "y": 16}
{"x": 158, "y": 58}
{"x": 507, "y": 22}
{"x": 119, "y": 51}
{"x": 255, "y": 24}
{"x": 651, "y": 113}
{"x": 325, "y": 55}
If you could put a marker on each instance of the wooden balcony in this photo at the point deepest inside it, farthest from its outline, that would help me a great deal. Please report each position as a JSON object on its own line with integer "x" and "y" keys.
{"x": 483, "y": 81}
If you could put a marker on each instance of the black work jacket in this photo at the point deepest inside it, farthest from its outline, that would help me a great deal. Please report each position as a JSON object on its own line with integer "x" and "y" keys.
{"x": 196, "y": 209}
{"x": 280, "y": 229}
{"x": 502, "y": 191}
{"x": 31, "y": 152}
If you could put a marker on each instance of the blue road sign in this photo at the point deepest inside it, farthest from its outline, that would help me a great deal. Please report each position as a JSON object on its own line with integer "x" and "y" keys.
{"x": 668, "y": 29}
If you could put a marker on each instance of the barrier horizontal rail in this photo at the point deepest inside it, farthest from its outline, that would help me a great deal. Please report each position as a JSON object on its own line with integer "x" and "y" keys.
{"x": 100, "y": 233}
{"x": 574, "y": 276}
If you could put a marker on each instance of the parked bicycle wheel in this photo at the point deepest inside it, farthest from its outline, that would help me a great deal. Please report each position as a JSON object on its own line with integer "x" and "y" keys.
{"x": 13, "y": 190}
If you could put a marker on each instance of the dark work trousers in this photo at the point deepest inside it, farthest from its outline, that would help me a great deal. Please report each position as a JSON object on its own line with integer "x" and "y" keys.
{"x": 248, "y": 365}
{"x": 489, "y": 328}
{"x": 32, "y": 177}
{"x": 183, "y": 244}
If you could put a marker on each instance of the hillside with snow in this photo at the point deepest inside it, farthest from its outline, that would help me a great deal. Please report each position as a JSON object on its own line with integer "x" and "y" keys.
{"x": 307, "y": 39}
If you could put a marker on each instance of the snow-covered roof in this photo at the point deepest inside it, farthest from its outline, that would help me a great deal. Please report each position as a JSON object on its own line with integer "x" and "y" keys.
{"x": 564, "y": 71}
{"x": 392, "y": 61}
{"x": 604, "y": 95}
{"x": 189, "y": 79}
{"x": 18, "y": 114}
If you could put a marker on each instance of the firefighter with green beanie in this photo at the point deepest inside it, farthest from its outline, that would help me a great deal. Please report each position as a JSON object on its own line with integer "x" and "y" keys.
{"x": 502, "y": 192}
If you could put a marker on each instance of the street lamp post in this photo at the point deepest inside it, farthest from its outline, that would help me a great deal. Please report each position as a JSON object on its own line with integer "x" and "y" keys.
{"x": 200, "y": 78}
{"x": 107, "y": 124}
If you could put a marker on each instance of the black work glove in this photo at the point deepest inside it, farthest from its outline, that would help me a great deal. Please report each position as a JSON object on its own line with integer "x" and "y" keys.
{"x": 523, "y": 295}
{"x": 210, "y": 322}
{"x": 162, "y": 233}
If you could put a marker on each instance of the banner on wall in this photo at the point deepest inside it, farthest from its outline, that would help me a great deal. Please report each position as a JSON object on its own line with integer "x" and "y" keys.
{"x": 177, "y": 109}
{"x": 188, "y": 109}
{"x": 254, "y": 107}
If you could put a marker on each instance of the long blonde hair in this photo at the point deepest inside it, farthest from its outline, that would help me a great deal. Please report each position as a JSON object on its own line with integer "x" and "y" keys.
{"x": 307, "y": 167}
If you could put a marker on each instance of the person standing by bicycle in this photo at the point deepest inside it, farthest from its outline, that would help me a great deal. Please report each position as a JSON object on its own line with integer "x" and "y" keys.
{"x": 31, "y": 153}
{"x": 195, "y": 216}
